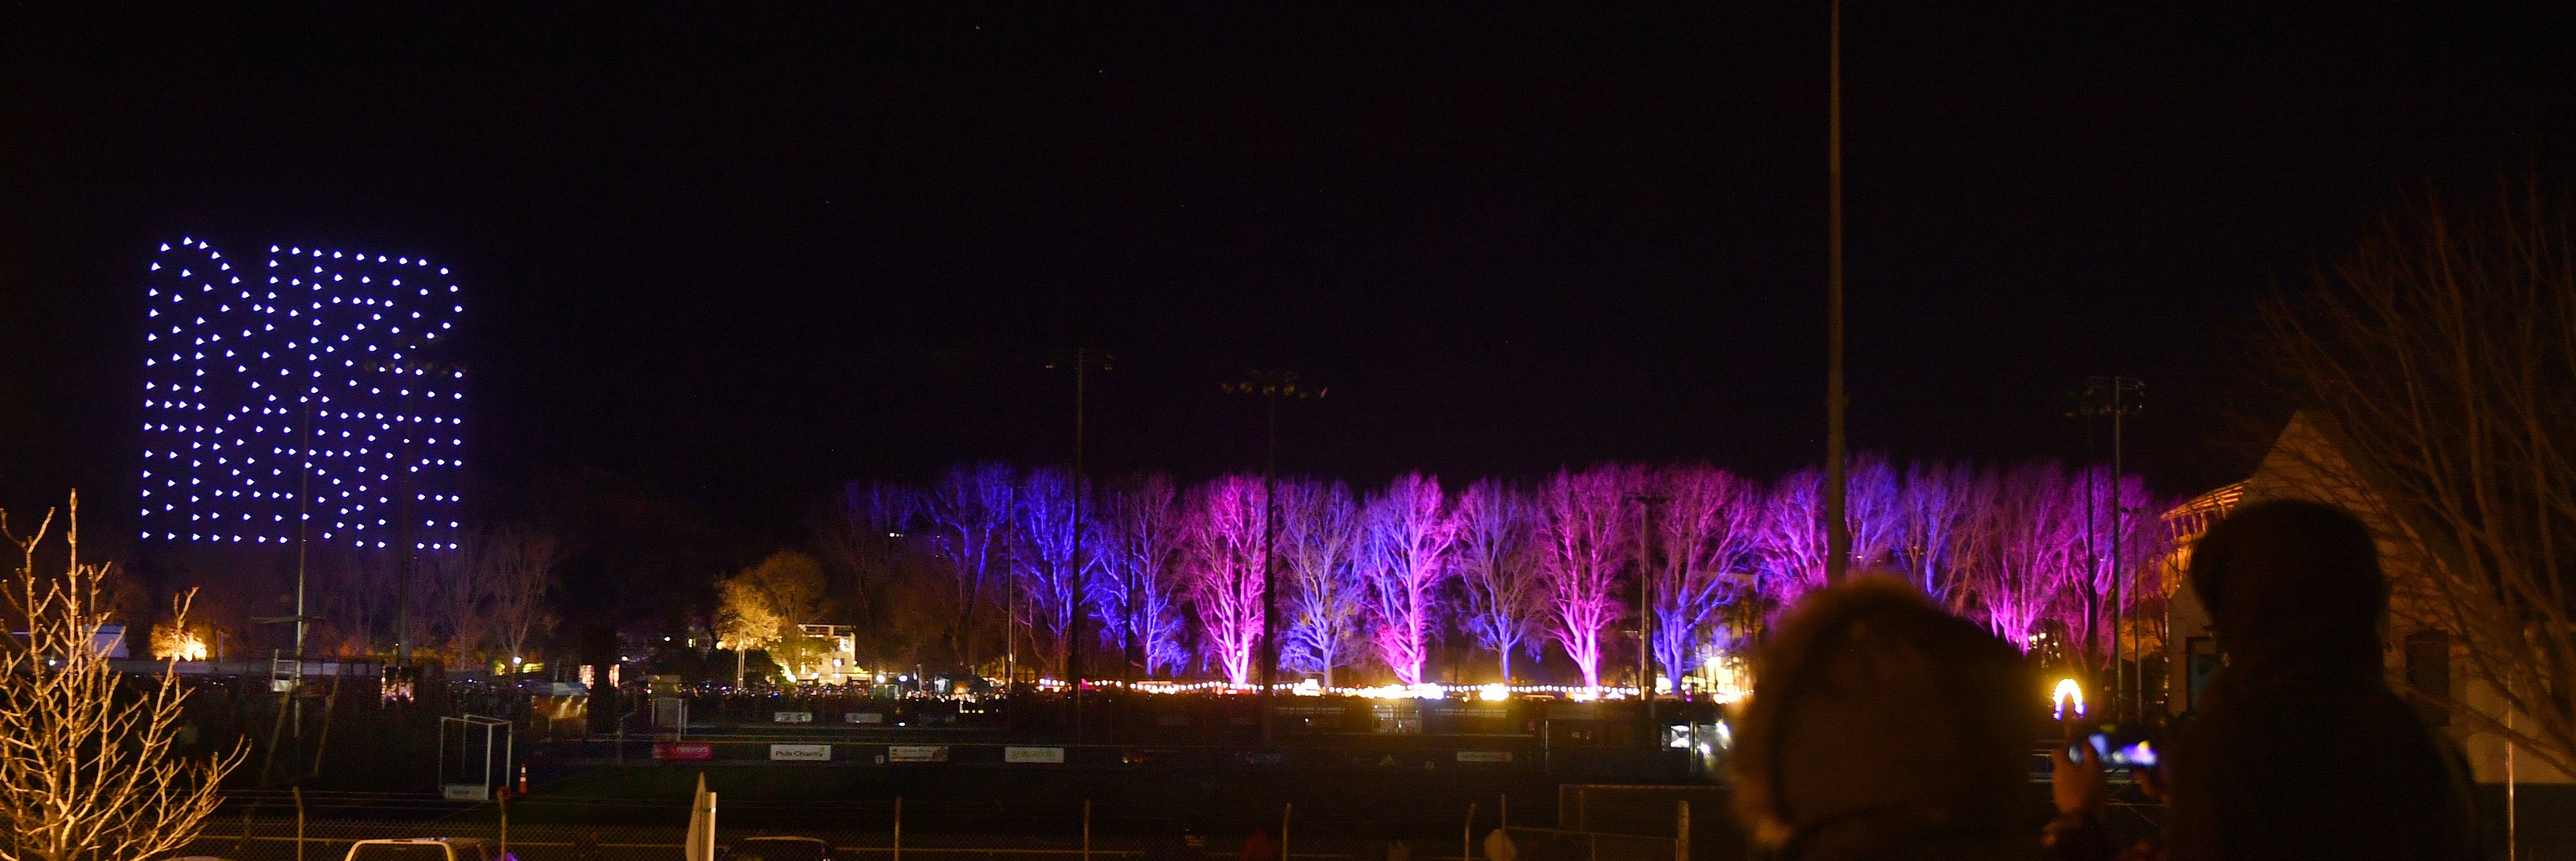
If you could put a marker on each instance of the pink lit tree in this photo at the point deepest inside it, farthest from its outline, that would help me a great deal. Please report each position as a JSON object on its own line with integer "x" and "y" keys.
{"x": 1708, "y": 534}
{"x": 1497, "y": 566}
{"x": 2018, "y": 566}
{"x": 1581, "y": 539}
{"x": 1319, "y": 557}
{"x": 1405, "y": 557}
{"x": 1224, "y": 568}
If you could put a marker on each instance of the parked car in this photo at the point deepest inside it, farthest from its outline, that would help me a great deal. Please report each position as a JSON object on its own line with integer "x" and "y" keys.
{"x": 779, "y": 849}
{"x": 427, "y": 849}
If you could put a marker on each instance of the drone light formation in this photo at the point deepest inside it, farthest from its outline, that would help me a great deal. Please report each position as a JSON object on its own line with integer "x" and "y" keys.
{"x": 288, "y": 400}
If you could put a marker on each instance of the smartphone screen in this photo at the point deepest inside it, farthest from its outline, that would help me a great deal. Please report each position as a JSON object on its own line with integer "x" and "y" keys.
{"x": 2117, "y": 752}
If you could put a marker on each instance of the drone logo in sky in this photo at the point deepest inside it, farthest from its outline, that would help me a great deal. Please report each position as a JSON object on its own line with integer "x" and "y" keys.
{"x": 292, "y": 398}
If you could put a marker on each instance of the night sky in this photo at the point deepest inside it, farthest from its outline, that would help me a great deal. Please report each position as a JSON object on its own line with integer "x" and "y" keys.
{"x": 718, "y": 263}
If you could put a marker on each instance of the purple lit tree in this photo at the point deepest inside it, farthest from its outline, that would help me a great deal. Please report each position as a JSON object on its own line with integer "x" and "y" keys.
{"x": 1873, "y": 506}
{"x": 1710, "y": 532}
{"x": 1319, "y": 553}
{"x": 1403, "y": 561}
{"x": 1140, "y": 537}
{"x": 1224, "y": 565}
{"x": 1793, "y": 539}
{"x": 1504, "y": 596}
{"x": 1581, "y": 534}
{"x": 1050, "y": 578}
{"x": 970, "y": 512}
{"x": 1932, "y": 511}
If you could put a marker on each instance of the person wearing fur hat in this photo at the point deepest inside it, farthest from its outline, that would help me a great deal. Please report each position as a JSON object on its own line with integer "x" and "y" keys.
{"x": 1881, "y": 727}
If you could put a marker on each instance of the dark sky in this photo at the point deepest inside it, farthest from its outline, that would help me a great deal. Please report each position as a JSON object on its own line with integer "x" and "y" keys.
{"x": 727, "y": 260}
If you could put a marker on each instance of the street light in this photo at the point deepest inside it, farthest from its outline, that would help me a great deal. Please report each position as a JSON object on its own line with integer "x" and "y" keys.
{"x": 2117, "y": 397}
{"x": 1083, "y": 360}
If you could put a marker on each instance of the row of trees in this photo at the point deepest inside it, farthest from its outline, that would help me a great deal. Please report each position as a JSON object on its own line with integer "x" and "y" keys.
{"x": 991, "y": 560}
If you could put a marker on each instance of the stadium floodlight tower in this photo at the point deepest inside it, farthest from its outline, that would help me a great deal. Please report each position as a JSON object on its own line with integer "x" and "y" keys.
{"x": 292, "y": 403}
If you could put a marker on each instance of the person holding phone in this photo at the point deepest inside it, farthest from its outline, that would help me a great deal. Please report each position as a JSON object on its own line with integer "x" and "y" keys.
{"x": 2300, "y": 749}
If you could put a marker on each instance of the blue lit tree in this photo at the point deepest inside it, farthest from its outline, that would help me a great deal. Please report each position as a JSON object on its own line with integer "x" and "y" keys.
{"x": 1709, "y": 534}
{"x": 970, "y": 512}
{"x": 1043, "y": 562}
{"x": 1319, "y": 546}
{"x": 1504, "y": 600}
{"x": 1134, "y": 595}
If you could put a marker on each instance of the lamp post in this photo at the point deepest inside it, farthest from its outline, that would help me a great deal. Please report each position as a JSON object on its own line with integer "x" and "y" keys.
{"x": 1837, "y": 530}
{"x": 1271, "y": 387}
{"x": 1646, "y": 609}
{"x": 2117, "y": 397}
{"x": 1083, "y": 360}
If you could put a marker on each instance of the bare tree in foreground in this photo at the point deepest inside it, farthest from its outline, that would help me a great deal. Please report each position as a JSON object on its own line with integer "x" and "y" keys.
{"x": 2439, "y": 362}
{"x": 87, "y": 775}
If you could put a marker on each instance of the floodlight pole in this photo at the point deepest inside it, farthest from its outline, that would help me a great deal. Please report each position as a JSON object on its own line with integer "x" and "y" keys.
{"x": 1646, "y": 608}
{"x": 1837, "y": 531}
{"x": 1083, "y": 357}
{"x": 1272, "y": 387}
{"x": 2117, "y": 397}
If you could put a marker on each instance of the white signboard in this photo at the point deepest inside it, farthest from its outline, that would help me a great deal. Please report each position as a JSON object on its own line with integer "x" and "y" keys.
{"x": 1484, "y": 756}
{"x": 1047, "y": 755}
{"x": 792, "y": 717}
{"x": 863, "y": 717}
{"x": 917, "y": 753}
{"x": 800, "y": 752}
{"x": 465, "y": 791}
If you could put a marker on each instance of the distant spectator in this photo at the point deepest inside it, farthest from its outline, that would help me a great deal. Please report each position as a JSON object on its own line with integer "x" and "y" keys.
{"x": 1881, "y": 727}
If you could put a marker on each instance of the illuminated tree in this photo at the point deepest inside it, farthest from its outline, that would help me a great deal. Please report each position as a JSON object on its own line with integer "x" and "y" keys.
{"x": 1224, "y": 571}
{"x": 1497, "y": 564}
{"x": 1319, "y": 554}
{"x": 1581, "y": 539}
{"x": 1140, "y": 538}
{"x": 88, "y": 763}
{"x": 1404, "y": 559}
{"x": 1931, "y": 512}
{"x": 2019, "y": 562}
{"x": 1793, "y": 539}
{"x": 518, "y": 566}
{"x": 1709, "y": 532}
{"x": 970, "y": 511}
{"x": 1050, "y": 578}
{"x": 1873, "y": 504}
{"x": 763, "y": 605}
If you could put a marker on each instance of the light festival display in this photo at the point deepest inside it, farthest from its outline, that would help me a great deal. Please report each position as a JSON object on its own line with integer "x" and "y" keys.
{"x": 289, "y": 398}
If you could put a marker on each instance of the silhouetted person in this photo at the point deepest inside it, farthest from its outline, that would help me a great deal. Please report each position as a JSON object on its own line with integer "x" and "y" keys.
{"x": 2300, "y": 750}
{"x": 1883, "y": 728}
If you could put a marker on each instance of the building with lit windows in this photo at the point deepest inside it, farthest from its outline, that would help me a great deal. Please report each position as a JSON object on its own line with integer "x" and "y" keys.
{"x": 295, "y": 396}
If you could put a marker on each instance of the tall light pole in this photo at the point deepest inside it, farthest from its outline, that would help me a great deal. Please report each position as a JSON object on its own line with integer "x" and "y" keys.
{"x": 1083, "y": 359}
{"x": 2117, "y": 397}
{"x": 1271, "y": 387}
{"x": 1646, "y": 609}
{"x": 1837, "y": 531}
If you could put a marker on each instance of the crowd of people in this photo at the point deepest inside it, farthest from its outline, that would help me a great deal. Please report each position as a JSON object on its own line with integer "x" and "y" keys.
{"x": 1884, "y": 728}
